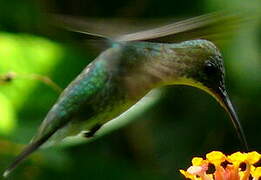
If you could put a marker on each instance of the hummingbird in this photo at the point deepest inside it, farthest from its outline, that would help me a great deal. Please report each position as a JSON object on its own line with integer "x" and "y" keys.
{"x": 126, "y": 71}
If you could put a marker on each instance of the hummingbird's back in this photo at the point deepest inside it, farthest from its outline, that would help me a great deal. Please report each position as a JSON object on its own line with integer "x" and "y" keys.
{"x": 105, "y": 88}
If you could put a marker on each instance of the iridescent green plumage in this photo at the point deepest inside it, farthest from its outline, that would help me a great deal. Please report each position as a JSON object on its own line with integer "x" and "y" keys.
{"x": 120, "y": 76}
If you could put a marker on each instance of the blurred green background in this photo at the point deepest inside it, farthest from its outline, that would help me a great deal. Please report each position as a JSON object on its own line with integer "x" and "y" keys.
{"x": 160, "y": 140}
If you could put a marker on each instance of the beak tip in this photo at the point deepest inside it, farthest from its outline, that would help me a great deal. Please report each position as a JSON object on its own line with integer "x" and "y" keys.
{"x": 225, "y": 102}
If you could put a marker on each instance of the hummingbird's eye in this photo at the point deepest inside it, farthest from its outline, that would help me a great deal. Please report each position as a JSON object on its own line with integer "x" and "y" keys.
{"x": 210, "y": 69}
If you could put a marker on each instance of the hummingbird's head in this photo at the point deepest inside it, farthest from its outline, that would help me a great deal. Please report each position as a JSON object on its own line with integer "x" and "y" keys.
{"x": 204, "y": 69}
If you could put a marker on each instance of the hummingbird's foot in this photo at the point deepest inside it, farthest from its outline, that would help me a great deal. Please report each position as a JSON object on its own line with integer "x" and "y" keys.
{"x": 93, "y": 130}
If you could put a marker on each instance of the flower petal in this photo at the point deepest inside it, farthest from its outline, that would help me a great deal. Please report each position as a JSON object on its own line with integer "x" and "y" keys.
{"x": 256, "y": 172}
{"x": 237, "y": 158}
{"x": 253, "y": 157}
{"x": 216, "y": 157}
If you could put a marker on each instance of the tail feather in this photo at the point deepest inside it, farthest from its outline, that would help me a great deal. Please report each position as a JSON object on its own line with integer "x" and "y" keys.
{"x": 25, "y": 153}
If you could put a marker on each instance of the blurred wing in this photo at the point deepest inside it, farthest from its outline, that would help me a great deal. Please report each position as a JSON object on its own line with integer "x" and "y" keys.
{"x": 95, "y": 33}
{"x": 98, "y": 28}
{"x": 211, "y": 26}
{"x": 208, "y": 26}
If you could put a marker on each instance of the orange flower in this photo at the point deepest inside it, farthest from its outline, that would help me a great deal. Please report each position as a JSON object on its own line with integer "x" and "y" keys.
{"x": 226, "y": 167}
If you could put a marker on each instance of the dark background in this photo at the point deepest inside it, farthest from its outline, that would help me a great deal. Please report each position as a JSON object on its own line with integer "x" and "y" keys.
{"x": 184, "y": 123}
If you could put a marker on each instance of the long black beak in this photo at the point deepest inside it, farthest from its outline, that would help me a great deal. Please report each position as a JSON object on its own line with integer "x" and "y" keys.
{"x": 223, "y": 99}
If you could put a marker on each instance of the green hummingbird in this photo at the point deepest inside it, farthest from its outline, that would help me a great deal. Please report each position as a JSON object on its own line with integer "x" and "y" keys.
{"x": 121, "y": 75}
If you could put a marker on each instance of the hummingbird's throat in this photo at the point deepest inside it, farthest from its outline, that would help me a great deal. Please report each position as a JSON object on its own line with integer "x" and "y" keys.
{"x": 190, "y": 82}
